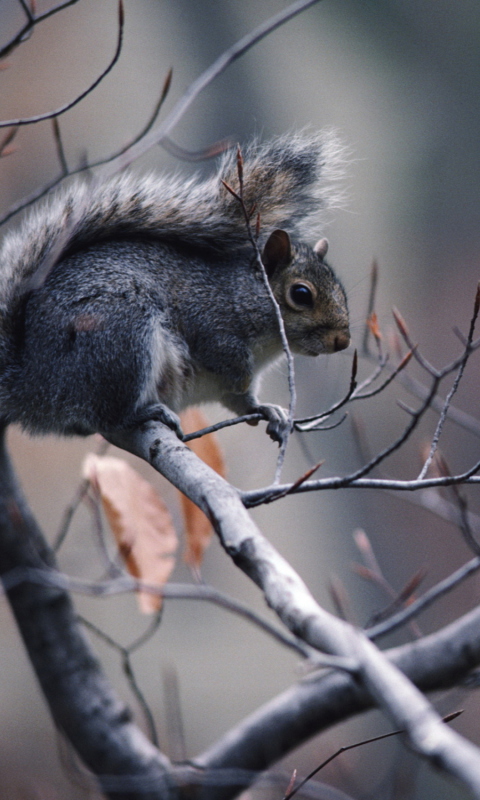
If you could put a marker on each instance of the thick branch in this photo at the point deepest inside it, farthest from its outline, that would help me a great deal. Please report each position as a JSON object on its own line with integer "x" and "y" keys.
{"x": 438, "y": 661}
{"x": 80, "y": 698}
{"x": 288, "y": 596}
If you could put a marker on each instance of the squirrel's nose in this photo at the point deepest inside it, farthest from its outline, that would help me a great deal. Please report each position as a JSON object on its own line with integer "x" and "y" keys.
{"x": 341, "y": 342}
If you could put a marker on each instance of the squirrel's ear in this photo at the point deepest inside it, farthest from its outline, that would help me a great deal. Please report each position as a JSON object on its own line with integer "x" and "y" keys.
{"x": 277, "y": 251}
{"x": 321, "y": 248}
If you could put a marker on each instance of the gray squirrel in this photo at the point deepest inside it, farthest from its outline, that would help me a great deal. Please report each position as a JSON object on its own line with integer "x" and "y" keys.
{"x": 130, "y": 300}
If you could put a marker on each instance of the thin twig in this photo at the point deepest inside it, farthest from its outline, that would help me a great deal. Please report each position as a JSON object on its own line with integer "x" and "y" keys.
{"x": 346, "y": 747}
{"x": 129, "y": 673}
{"x": 355, "y": 392}
{"x": 148, "y": 138}
{"x": 44, "y": 190}
{"x": 308, "y": 474}
{"x": 62, "y": 109}
{"x": 396, "y": 371}
{"x": 372, "y": 571}
{"x": 92, "y": 499}
{"x": 212, "y": 151}
{"x": 247, "y": 214}
{"x": 426, "y": 600}
{"x": 455, "y": 415}
{"x": 226, "y": 423}
{"x": 125, "y": 584}
{"x": 27, "y": 10}
{"x": 72, "y": 507}
{"x": 269, "y": 493}
{"x": 32, "y": 20}
{"x": 205, "y": 79}
{"x": 309, "y": 423}
{"x": 458, "y": 378}
{"x": 402, "y": 327}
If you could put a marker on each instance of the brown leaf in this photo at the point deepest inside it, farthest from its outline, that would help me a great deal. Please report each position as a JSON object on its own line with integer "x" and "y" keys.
{"x": 139, "y": 520}
{"x": 197, "y": 527}
{"x": 374, "y": 328}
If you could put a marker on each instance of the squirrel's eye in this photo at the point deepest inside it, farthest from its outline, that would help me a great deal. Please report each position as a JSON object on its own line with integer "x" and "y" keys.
{"x": 301, "y": 295}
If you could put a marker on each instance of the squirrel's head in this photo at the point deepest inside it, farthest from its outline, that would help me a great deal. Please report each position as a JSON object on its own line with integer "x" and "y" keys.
{"x": 311, "y": 298}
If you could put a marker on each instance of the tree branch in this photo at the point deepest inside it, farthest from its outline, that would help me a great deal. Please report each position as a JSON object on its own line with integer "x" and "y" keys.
{"x": 32, "y": 21}
{"x": 437, "y": 662}
{"x": 15, "y": 123}
{"x": 80, "y": 698}
{"x": 288, "y": 596}
{"x": 204, "y": 80}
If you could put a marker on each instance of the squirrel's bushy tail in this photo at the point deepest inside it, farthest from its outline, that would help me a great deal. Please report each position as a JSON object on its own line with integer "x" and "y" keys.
{"x": 288, "y": 181}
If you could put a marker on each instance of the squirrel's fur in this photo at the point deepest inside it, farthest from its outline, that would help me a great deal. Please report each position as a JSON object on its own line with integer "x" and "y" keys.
{"x": 178, "y": 243}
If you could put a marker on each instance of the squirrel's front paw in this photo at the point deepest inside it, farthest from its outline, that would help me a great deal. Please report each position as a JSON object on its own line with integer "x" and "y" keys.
{"x": 159, "y": 412}
{"x": 279, "y": 425}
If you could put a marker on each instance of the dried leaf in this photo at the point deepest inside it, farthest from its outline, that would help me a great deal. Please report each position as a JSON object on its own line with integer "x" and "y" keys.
{"x": 139, "y": 520}
{"x": 197, "y": 527}
{"x": 373, "y": 326}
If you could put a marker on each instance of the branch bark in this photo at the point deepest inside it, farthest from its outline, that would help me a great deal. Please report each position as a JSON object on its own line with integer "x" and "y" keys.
{"x": 436, "y": 662}
{"x": 80, "y": 698}
{"x": 288, "y": 596}
{"x": 99, "y": 726}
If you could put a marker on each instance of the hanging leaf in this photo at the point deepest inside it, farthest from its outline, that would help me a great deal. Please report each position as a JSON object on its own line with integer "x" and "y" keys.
{"x": 139, "y": 520}
{"x": 197, "y": 527}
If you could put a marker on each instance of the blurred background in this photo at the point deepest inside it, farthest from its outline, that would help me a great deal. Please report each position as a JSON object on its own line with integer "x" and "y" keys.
{"x": 400, "y": 81}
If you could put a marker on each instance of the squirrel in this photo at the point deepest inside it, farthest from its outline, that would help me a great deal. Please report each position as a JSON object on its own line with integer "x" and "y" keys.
{"x": 131, "y": 299}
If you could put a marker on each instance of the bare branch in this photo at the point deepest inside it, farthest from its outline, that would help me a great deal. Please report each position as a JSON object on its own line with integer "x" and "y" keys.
{"x": 455, "y": 415}
{"x": 360, "y": 395}
{"x": 126, "y": 584}
{"x": 454, "y": 388}
{"x": 211, "y": 151}
{"x": 372, "y": 571}
{"x": 147, "y": 138}
{"x": 292, "y": 791}
{"x": 44, "y": 190}
{"x": 270, "y": 493}
{"x": 226, "y": 423}
{"x": 32, "y": 20}
{"x": 80, "y": 698}
{"x": 288, "y": 596}
{"x": 426, "y": 600}
{"x": 310, "y": 423}
{"x": 247, "y": 214}
{"x": 125, "y": 653}
{"x": 437, "y": 661}
{"x": 62, "y": 109}
{"x": 212, "y": 72}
